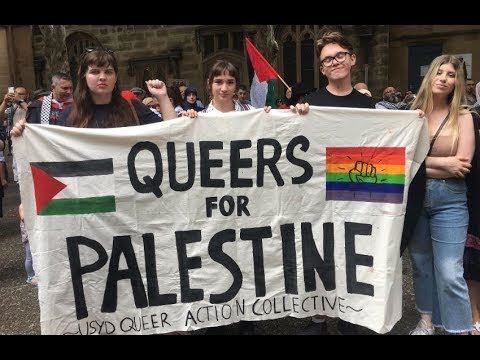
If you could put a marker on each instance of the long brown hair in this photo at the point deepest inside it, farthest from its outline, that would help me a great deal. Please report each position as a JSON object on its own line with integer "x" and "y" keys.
{"x": 424, "y": 99}
{"x": 83, "y": 106}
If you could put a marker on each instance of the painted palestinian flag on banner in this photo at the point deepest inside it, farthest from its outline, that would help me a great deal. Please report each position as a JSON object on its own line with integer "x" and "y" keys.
{"x": 73, "y": 187}
{"x": 370, "y": 174}
{"x": 261, "y": 91}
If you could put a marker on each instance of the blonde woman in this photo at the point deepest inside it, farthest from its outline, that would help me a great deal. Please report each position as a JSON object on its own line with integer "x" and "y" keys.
{"x": 437, "y": 245}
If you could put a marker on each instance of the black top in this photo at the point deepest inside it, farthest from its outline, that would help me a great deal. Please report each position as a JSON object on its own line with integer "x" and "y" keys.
{"x": 355, "y": 99}
{"x": 187, "y": 106}
{"x": 100, "y": 114}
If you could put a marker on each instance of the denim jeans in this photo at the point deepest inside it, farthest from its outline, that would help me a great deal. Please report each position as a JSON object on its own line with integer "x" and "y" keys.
{"x": 436, "y": 250}
{"x": 28, "y": 260}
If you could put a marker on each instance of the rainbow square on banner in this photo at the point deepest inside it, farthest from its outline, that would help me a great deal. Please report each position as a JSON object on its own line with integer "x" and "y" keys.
{"x": 369, "y": 174}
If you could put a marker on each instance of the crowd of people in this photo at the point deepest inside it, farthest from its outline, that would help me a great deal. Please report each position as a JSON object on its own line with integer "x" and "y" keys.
{"x": 442, "y": 221}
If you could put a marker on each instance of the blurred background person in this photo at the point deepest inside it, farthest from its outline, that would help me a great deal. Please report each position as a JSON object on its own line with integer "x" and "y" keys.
{"x": 470, "y": 95}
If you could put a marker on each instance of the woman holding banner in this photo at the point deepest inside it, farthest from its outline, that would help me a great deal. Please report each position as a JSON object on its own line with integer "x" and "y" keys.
{"x": 437, "y": 243}
{"x": 98, "y": 102}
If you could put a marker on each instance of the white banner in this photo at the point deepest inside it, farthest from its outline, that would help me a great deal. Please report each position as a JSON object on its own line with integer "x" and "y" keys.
{"x": 189, "y": 224}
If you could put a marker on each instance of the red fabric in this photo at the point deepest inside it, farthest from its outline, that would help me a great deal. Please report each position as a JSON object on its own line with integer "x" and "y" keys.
{"x": 46, "y": 187}
{"x": 262, "y": 68}
{"x": 128, "y": 95}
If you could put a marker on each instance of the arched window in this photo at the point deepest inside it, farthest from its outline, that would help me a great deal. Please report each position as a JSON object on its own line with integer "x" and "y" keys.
{"x": 297, "y": 49}
{"x": 290, "y": 60}
{"x": 307, "y": 53}
{"x": 76, "y": 43}
{"x": 223, "y": 42}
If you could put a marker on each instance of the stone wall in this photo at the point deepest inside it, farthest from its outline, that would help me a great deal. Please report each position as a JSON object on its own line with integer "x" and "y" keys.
{"x": 142, "y": 41}
{"x": 4, "y": 65}
{"x": 379, "y": 60}
{"x": 385, "y": 49}
{"x": 16, "y": 58}
{"x": 454, "y": 39}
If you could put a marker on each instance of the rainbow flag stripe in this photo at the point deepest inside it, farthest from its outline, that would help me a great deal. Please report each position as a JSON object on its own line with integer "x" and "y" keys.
{"x": 369, "y": 174}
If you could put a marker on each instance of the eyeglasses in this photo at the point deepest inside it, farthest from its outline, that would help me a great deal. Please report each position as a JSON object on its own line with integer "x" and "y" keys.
{"x": 340, "y": 57}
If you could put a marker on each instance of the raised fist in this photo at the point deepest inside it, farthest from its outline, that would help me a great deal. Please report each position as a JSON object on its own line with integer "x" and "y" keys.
{"x": 363, "y": 173}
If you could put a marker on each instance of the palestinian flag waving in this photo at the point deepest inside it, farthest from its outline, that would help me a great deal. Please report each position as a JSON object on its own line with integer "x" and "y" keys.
{"x": 261, "y": 90}
{"x": 73, "y": 187}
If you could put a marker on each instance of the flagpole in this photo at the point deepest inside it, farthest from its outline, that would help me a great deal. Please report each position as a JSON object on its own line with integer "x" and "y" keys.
{"x": 288, "y": 87}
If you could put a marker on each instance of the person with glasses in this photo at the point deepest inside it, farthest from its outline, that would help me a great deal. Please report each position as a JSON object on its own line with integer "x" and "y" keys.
{"x": 336, "y": 58}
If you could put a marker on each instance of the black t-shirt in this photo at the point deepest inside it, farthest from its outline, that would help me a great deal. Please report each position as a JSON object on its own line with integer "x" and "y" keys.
{"x": 355, "y": 99}
{"x": 100, "y": 114}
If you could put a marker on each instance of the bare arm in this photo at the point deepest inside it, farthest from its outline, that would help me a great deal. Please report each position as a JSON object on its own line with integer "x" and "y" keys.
{"x": 7, "y": 100}
{"x": 158, "y": 89}
{"x": 458, "y": 165}
{"x": 168, "y": 112}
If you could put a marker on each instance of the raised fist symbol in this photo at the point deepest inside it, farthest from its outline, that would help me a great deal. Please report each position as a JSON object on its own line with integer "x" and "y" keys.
{"x": 363, "y": 173}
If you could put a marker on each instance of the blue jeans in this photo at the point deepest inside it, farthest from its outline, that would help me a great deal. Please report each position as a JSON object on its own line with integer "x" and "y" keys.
{"x": 436, "y": 250}
{"x": 28, "y": 260}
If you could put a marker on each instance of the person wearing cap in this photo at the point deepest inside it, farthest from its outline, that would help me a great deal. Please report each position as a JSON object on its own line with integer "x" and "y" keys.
{"x": 190, "y": 100}
{"x": 139, "y": 93}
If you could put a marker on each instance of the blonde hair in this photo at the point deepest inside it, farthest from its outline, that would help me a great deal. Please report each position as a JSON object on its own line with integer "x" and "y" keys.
{"x": 424, "y": 99}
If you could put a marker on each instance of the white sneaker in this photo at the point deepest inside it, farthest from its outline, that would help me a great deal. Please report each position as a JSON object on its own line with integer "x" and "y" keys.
{"x": 422, "y": 329}
{"x": 476, "y": 328}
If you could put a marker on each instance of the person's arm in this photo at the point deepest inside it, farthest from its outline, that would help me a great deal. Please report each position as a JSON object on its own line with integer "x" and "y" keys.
{"x": 458, "y": 165}
{"x": 7, "y": 100}
{"x": 158, "y": 89}
{"x": 20, "y": 212}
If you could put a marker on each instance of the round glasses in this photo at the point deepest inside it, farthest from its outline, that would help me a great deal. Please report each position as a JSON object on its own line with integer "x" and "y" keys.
{"x": 340, "y": 57}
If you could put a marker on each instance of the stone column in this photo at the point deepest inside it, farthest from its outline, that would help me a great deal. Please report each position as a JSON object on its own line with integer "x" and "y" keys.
{"x": 378, "y": 70}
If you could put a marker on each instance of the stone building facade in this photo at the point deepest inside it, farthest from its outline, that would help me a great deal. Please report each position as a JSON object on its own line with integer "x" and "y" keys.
{"x": 412, "y": 47}
{"x": 175, "y": 53}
